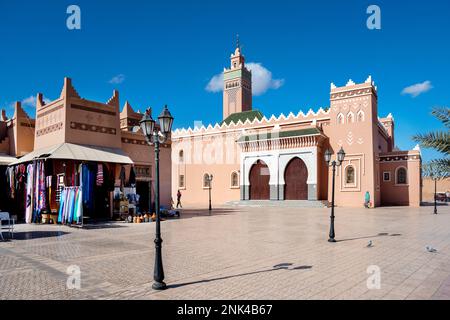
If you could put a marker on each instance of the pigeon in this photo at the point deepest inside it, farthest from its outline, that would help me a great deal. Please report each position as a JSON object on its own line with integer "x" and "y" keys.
{"x": 430, "y": 249}
{"x": 370, "y": 244}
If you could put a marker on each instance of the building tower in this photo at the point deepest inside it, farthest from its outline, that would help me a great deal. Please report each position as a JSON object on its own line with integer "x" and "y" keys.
{"x": 237, "y": 85}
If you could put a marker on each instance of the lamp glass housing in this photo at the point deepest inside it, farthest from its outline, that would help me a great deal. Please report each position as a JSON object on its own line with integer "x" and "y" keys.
{"x": 147, "y": 124}
{"x": 327, "y": 156}
{"x": 165, "y": 121}
{"x": 341, "y": 155}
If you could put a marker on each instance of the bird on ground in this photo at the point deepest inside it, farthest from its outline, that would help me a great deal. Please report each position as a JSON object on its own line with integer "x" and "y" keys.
{"x": 370, "y": 244}
{"x": 430, "y": 249}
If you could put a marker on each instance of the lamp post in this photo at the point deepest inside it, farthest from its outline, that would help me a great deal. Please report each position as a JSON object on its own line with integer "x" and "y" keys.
{"x": 154, "y": 137}
{"x": 334, "y": 164}
{"x": 435, "y": 195}
{"x": 209, "y": 179}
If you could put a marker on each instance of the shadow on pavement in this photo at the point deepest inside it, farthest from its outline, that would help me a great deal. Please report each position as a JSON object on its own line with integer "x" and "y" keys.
{"x": 368, "y": 237}
{"x": 281, "y": 266}
{"x": 192, "y": 213}
{"x": 28, "y": 235}
{"x": 431, "y": 204}
{"x": 93, "y": 226}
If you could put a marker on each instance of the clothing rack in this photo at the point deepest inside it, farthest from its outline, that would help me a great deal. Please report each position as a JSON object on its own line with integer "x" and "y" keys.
{"x": 71, "y": 224}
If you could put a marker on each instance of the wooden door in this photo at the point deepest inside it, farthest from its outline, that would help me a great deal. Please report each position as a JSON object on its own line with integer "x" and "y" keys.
{"x": 259, "y": 181}
{"x": 295, "y": 177}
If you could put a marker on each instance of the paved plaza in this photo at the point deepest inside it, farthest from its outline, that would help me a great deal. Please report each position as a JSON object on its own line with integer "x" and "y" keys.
{"x": 257, "y": 252}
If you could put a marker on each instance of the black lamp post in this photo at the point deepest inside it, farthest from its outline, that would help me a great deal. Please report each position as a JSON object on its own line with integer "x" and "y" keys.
{"x": 154, "y": 137}
{"x": 209, "y": 179}
{"x": 435, "y": 195}
{"x": 334, "y": 163}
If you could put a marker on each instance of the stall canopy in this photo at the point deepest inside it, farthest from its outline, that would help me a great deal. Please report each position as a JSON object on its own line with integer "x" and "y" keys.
{"x": 70, "y": 151}
{"x": 6, "y": 160}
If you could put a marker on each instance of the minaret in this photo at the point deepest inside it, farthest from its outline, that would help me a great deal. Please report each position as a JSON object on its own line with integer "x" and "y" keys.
{"x": 237, "y": 85}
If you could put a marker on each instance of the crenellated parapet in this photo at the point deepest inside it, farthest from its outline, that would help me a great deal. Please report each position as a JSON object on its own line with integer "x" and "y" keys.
{"x": 301, "y": 117}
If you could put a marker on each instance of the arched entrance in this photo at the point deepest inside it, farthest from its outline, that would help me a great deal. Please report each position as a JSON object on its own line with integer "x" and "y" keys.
{"x": 295, "y": 177}
{"x": 259, "y": 181}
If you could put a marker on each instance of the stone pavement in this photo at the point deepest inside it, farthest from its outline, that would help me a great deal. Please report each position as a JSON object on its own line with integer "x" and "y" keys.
{"x": 238, "y": 253}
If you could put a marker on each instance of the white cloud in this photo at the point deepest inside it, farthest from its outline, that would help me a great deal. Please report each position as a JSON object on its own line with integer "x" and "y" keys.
{"x": 31, "y": 101}
{"x": 117, "y": 79}
{"x": 262, "y": 80}
{"x": 418, "y": 88}
{"x": 215, "y": 84}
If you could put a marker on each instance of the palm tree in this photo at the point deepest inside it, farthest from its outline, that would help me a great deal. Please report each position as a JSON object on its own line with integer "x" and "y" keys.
{"x": 435, "y": 171}
{"x": 438, "y": 140}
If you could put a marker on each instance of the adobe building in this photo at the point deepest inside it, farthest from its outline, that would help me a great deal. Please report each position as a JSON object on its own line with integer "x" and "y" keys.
{"x": 280, "y": 158}
{"x": 71, "y": 131}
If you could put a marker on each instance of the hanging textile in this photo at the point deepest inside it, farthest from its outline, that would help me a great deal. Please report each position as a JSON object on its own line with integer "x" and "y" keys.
{"x": 122, "y": 177}
{"x": 61, "y": 205}
{"x": 88, "y": 179}
{"x": 132, "y": 177}
{"x": 100, "y": 175}
{"x": 10, "y": 175}
{"x": 71, "y": 206}
{"x": 29, "y": 194}
{"x": 40, "y": 191}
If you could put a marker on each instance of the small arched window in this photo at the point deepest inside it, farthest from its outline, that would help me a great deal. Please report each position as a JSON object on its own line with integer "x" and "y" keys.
{"x": 360, "y": 117}
{"x": 350, "y": 175}
{"x": 401, "y": 176}
{"x": 181, "y": 156}
{"x": 350, "y": 117}
{"x": 206, "y": 180}
{"x": 340, "y": 118}
{"x": 234, "y": 179}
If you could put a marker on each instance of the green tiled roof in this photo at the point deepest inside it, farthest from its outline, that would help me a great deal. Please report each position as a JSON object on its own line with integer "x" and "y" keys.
{"x": 243, "y": 116}
{"x": 280, "y": 134}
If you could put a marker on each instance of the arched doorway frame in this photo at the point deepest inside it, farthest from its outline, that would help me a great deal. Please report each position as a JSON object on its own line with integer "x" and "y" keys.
{"x": 305, "y": 197}
{"x": 252, "y": 188}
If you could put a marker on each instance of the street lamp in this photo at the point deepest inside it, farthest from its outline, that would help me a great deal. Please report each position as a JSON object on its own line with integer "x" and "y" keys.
{"x": 334, "y": 163}
{"x": 155, "y": 136}
{"x": 435, "y": 194}
{"x": 209, "y": 178}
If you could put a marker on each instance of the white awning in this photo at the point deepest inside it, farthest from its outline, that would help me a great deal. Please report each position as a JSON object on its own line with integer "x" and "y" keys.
{"x": 70, "y": 151}
{"x": 6, "y": 159}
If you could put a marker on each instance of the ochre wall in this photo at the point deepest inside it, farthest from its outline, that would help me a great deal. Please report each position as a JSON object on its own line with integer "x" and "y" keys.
{"x": 357, "y": 139}
{"x": 202, "y": 154}
{"x": 396, "y": 194}
{"x": 428, "y": 188}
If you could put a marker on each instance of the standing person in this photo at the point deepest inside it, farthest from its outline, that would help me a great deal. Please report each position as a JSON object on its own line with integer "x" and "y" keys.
{"x": 367, "y": 200}
{"x": 179, "y": 199}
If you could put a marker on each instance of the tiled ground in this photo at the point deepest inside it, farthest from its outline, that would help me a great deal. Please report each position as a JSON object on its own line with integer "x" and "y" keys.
{"x": 238, "y": 253}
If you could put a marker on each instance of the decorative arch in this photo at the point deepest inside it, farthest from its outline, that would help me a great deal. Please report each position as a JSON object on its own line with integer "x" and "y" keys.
{"x": 259, "y": 177}
{"x": 295, "y": 177}
{"x": 360, "y": 117}
{"x": 340, "y": 118}
{"x": 401, "y": 176}
{"x": 350, "y": 117}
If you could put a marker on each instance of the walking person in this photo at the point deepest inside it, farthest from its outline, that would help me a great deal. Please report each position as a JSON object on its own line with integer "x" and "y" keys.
{"x": 179, "y": 199}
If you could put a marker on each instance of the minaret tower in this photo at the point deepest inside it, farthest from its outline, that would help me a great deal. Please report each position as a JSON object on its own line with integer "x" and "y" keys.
{"x": 237, "y": 85}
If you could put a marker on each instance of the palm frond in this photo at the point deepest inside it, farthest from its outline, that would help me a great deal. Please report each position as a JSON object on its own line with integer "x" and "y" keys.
{"x": 438, "y": 140}
{"x": 443, "y": 114}
{"x": 437, "y": 169}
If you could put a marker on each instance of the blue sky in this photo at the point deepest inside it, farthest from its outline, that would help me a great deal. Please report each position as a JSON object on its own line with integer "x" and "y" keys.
{"x": 167, "y": 52}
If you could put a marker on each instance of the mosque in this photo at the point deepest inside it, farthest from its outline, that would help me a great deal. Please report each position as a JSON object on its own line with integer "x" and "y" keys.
{"x": 253, "y": 157}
